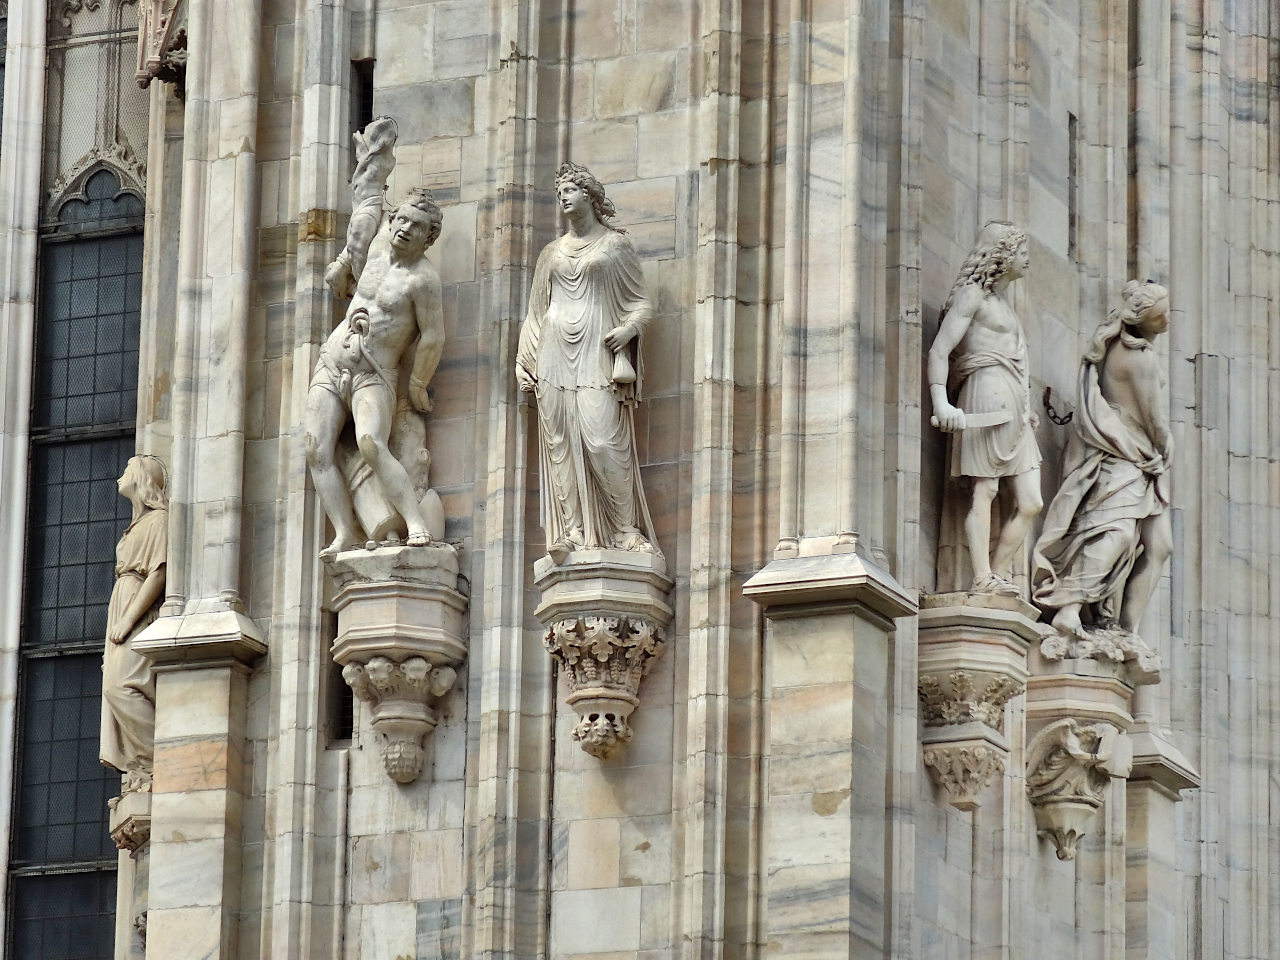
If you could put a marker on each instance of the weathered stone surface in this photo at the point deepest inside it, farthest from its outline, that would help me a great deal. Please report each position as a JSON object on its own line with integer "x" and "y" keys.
{"x": 799, "y": 189}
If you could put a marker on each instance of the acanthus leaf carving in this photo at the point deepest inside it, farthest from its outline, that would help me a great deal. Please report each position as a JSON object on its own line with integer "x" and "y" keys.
{"x": 951, "y": 698}
{"x": 964, "y": 770}
{"x": 603, "y": 660}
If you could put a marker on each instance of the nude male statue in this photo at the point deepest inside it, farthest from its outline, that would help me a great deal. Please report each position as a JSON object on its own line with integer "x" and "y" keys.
{"x": 397, "y": 299}
{"x": 993, "y": 420}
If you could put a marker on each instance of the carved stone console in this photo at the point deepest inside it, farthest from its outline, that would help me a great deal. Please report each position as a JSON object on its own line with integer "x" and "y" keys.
{"x": 972, "y": 661}
{"x": 1070, "y": 764}
{"x": 129, "y": 818}
{"x": 1078, "y": 713}
{"x": 605, "y": 612}
{"x": 401, "y": 639}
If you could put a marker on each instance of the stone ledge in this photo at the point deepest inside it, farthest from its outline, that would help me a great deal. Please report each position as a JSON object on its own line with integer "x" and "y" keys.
{"x": 195, "y": 640}
{"x": 793, "y": 586}
{"x": 604, "y": 583}
{"x": 1157, "y": 761}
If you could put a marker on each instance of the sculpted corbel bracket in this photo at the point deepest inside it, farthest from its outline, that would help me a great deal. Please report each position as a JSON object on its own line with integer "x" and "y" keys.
{"x": 162, "y": 43}
{"x": 1069, "y": 768}
{"x": 605, "y": 614}
{"x": 130, "y": 818}
{"x": 401, "y": 639}
{"x": 972, "y": 662}
{"x": 603, "y": 659}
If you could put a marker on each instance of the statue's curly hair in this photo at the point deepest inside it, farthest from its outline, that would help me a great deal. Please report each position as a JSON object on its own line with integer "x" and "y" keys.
{"x": 602, "y": 206}
{"x": 989, "y": 260}
{"x": 1139, "y": 297}
{"x": 420, "y": 198}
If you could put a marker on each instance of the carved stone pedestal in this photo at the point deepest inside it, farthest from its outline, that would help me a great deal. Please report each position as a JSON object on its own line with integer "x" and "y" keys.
{"x": 1078, "y": 711}
{"x": 972, "y": 661}
{"x": 605, "y": 612}
{"x": 401, "y": 639}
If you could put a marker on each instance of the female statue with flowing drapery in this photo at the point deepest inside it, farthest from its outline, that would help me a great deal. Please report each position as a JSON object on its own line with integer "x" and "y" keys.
{"x": 580, "y": 357}
{"x": 1107, "y": 532}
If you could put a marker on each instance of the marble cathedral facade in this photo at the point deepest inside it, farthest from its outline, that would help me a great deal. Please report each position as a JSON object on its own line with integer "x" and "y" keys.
{"x": 799, "y": 726}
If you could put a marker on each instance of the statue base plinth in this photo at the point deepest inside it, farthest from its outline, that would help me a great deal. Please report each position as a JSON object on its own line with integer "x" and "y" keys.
{"x": 972, "y": 661}
{"x": 401, "y": 638}
{"x": 1084, "y": 689}
{"x": 605, "y": 612}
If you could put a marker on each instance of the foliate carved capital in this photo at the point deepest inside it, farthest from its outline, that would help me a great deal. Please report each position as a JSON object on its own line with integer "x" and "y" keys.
{"x": 964, "y": 769}
{"x": 402, "y": 696}
{"x": 960, "y": 697}
{"x": 604, "y": 612}
{"x": 612, "y": 652}
{"x": 603, "y": 659}
{"x": 1069, "y": 768}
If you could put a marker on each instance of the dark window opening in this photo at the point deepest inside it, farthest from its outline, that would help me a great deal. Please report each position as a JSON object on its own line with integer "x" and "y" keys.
{"x": 84, "y": 407}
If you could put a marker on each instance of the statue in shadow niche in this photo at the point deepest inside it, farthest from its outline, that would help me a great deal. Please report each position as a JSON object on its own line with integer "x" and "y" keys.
{"x": 1107, "y": 532}
{"x": 128, "y": 726}
{"x": 579, "y": 357}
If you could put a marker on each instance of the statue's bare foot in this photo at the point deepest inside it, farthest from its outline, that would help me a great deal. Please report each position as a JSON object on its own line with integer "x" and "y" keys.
{"x": 1067, "y": 622}
{"x": 340, "y": 542}
{"x": 993, "y": 585}
{"x": 418, "y": 538}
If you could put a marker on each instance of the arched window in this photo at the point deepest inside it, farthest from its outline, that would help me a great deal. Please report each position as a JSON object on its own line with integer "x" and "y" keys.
{"x": 84, "y": 406}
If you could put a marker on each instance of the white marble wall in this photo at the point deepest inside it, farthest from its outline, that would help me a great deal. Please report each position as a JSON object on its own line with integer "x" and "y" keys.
{"x": 802, "y": 182}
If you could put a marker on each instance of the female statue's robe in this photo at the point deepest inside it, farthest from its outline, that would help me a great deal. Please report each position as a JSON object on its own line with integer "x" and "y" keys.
{"x": 128, "y": 685}
{"x": 1115, "y": 478}
{"x": 590, "y": 474}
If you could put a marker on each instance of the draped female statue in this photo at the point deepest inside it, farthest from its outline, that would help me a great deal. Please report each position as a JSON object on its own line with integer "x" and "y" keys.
{"x": 1107, "y": 532}
{"x": 128, "y": 686}
{"x": 580, "y": 358}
